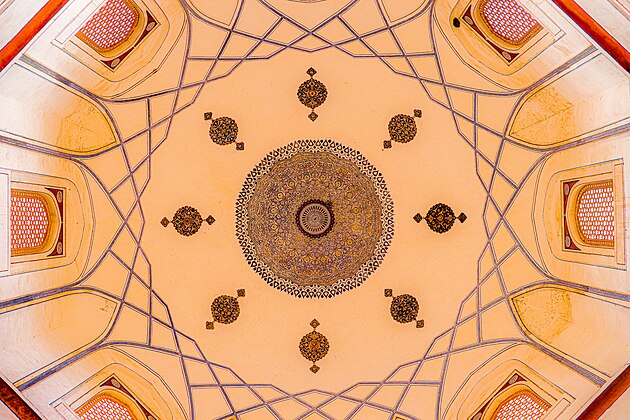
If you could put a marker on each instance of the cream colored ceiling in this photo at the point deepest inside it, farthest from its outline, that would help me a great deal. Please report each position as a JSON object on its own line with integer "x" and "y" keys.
{"x": 227, "y": 58}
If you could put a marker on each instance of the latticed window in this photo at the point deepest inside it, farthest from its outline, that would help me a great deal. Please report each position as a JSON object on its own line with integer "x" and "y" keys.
{"x": 596, "y": 214}
{"x": 111, "y": 25}
{"x": 523, "y": 405}
{"x": 30, "y": 222}
{"x": 509, "y": 21}
{"x": 105, "y": 407}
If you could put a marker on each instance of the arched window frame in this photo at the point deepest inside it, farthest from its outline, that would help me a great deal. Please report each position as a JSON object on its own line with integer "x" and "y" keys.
{"x": 482, "y": 21}
{"x": 112, "y": 58}
{"x": 54, "y": 201}
{"x": 502, "y": 56}
{"x": 131, "y": 379}
{"x": 573, "y": 230}
{"x": 121, "y": 46}
{"x": 557, "y": 208}
{"x": 112, "y": 387}
{"x": 573, "y": 241}
{"x": 513, "y": 385}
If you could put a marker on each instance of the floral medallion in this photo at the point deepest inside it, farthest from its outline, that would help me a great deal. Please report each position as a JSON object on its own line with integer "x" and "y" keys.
{"x": 314, "y": 218}
{"x": 404, "y": 308}
{"x": 440, "y": 218}
{"x": 402, "y": 128}
{"x": 225, "y": 309}
{"x": 223, "y": 130}
{"x": 314, "y": 346}
{"x": 312, "y": 93}
{"x": 187, "y": 221}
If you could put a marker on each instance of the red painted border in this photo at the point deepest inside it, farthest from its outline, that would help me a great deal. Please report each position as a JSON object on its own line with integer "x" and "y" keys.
{"x": 608, "y": 397}
{"x": 596, "y": 31}
{"x": 28, "y": 32}
{"x": 15, "y": 403}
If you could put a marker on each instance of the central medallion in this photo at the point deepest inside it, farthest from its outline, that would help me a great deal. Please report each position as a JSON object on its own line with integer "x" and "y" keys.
{"x": 314, "y": 218}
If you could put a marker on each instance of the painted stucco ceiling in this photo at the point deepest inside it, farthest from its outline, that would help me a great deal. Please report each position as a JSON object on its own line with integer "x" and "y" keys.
{"x": 134, "y": 146}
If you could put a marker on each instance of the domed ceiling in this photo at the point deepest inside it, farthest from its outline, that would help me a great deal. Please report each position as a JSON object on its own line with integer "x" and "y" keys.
{"x": 316, "y": 209}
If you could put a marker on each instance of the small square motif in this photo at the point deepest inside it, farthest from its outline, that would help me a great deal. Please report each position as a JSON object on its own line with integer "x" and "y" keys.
{"x": 240, "y": 146}
{"x": 314, "y": 323}
{"x": 207, "y": 116}
{"x": 311, "y": 72}
{"x": 209, "y": 325}
{"x": 240, "y": 292}
{"x": 417, "y": 113}
{"x": 420, "y": 323}
{"x": 164, "y": 222}
{"x": 210, "y": 220}
{"x": 314, "y": 368}
{"x": 387, "y": 144}
{"x": 389, "y": 292}
{"x": 417, "y": 218}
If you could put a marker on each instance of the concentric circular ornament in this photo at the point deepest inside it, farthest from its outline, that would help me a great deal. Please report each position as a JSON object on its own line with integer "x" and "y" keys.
{"x": 187, "y": 221}
{"x": 314, "y": 218}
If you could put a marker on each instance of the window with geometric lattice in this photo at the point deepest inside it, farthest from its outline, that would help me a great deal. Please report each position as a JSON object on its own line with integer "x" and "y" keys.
{"x": 523, "y": 405}
{"x": 584, "y": 220}
{"x": 35, "y": 220}
{"x": 589, "y": 213}
{"x": 505, "y": 25}
{"x": 110, "y": 26}
{"x": 114, "y": 31}
{"x": 105, "y": 407}
{"x": 595, "y": 214}
{"x": 509, "y": 21}
{"x": 516, "y": 398}
{"x": 109, "y": 399}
